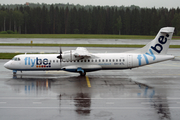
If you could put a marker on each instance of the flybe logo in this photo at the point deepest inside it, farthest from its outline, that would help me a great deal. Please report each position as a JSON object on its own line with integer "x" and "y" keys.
{"x": 39, "y": 63}
{"x": 158, "y": 47}
{"x": 145, "y": 57}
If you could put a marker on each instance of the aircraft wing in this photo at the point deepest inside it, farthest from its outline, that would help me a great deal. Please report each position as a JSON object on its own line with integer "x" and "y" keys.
{"x": 81, "y": 52}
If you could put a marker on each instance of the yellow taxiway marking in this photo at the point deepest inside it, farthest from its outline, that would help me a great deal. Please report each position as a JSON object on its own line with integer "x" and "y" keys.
{"x": 88, "y": 82}
{"x": 47, "y": 85}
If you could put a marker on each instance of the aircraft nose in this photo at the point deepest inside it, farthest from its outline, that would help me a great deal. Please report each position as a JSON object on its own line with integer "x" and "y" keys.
{"x": 6, "y": 65}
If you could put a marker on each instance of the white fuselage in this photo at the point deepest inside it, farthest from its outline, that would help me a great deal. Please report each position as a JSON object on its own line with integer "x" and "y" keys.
{"x": 101, "y": 61}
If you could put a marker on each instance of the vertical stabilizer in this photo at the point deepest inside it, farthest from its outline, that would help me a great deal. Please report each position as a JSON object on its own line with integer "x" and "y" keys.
{"x": 160, "y": 44}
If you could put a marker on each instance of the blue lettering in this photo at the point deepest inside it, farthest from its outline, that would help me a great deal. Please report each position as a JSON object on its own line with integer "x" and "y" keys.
{"x": 45, "y": 61}
{"x": 152, "y": 55}
{"x": 147, "y": 62}
{"x": 25, "y": 59}
{"x": 161, "y": 38}
{"x": 28, "y": 60}
{"x": 158, "y": 47}
{"x": 157, "y": 50}
{"x": 38, "y": 61}
{"x": 139, "y": 58}
{"x": 33, "y": 62}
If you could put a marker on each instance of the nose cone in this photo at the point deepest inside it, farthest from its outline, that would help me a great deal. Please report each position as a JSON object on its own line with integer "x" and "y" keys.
{"x": 7, "y": 65}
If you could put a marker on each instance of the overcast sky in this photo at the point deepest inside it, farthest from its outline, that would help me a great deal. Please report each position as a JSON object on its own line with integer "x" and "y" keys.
{"x": 140, "y": 3}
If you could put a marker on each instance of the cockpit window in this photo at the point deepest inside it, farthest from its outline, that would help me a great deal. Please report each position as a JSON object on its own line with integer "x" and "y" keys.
{"x": 16, "y": 59}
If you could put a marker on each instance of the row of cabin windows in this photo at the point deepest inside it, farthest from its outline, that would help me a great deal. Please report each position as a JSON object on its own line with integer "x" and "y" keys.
{"x": 99, "y": 60}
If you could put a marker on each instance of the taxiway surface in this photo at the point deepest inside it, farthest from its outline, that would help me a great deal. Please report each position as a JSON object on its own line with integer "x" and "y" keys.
{"x": 151, "y": 92}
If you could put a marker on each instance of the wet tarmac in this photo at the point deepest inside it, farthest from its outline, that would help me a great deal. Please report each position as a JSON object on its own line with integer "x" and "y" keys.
{"x": 147, "y": 93}
{"x": 80, "y": 41}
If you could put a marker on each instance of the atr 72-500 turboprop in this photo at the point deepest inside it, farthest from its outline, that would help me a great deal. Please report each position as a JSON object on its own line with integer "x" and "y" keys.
{"x": 82, "y": 61}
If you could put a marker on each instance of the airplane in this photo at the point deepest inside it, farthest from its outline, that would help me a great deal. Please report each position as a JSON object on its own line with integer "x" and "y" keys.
{"x": 82, "y": 61}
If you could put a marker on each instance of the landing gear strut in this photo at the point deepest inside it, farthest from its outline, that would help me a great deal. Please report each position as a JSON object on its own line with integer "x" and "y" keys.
{"x": 81, "y": 71}
{"x": 14, "y": 72}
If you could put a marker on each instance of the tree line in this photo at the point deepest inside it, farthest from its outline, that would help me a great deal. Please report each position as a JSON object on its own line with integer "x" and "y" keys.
{"x": 76, "y": 19}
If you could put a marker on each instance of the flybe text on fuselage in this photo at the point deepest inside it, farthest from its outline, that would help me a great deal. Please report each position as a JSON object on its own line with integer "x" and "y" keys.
{"x": 38, "y": 63}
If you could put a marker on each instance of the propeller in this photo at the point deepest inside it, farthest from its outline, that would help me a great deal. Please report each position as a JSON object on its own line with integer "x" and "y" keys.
{"x": 60, "y": 56}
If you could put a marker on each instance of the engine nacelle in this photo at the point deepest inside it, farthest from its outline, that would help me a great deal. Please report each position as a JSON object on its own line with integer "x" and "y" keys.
{"x": 69, "y": 56}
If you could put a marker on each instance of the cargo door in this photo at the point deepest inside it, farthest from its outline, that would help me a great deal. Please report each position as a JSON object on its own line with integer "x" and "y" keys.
{"x": 130, "y": 61}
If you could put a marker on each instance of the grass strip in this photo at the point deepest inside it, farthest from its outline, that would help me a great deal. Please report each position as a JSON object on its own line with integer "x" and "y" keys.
{"x": 8, "y": 55}
{"x": 84, "y": 36}
{"x": 81, "y": 45}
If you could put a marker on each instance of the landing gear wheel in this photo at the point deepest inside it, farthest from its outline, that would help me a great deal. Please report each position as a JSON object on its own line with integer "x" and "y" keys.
{"x": 82, "y": 74}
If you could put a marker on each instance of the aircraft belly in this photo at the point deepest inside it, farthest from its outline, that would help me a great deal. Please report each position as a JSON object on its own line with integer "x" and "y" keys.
{"x": 87, "y": 68}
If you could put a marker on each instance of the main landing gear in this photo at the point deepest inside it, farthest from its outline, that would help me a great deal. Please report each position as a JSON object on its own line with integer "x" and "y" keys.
{"x": 81, "y": 71}
{"x": 82, "y": 74}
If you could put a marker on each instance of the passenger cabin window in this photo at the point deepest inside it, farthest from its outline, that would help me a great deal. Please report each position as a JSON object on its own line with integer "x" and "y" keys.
{"x": 88, "y": 60}
{"x": 84, "y": 60}
{"x": 57, "y": 61}
{"x": 95, "y": 60}
{"x": 102, "y": 60}
{"x": 119, "y": 60}
{"x": 99, "y": 60}
{"x": 116, "y": 60}
{"x": 113, "y": 60}
{"x": 109, "y": 60}
{"x": 92, "y": 61}
{"x": 106, "y": 60}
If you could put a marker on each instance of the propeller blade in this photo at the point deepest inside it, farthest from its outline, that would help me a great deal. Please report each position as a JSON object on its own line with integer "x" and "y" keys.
{"x": 60, "y": 51}
{"x": 60, "y": 56}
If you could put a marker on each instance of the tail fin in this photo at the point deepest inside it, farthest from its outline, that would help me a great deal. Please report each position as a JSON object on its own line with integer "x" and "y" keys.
{"x": 160, "y": 44}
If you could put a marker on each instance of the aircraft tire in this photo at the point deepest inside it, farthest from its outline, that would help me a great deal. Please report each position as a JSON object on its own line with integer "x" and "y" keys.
{"x": 82, "y": 74}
